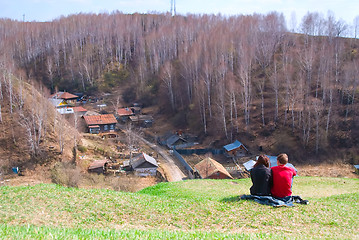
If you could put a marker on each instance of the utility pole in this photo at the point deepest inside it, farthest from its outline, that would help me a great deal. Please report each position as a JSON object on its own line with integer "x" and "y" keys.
{"x": 23, "y": 17}
{"x": 173, "y": 7}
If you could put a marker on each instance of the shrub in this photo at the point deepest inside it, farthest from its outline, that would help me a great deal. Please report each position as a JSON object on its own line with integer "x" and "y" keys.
{"x": 65, "y": 174}
{"x": 82, "y": 149}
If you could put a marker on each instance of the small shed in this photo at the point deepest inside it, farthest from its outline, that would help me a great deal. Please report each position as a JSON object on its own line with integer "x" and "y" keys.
{"x": 98, "y": 166}
{"x": 144, "y": 165}
{"x": 235, "y": 149}
{"x": 210, "y": 168}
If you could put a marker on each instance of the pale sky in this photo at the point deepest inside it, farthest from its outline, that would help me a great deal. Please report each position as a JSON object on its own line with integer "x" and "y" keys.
{"x": 47, "y": 10}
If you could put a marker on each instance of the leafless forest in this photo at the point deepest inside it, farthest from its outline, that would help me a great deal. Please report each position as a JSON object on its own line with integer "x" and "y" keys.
{"x": 220, "y": 75}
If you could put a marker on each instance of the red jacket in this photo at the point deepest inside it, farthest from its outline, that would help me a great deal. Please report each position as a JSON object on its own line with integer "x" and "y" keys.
{"x": 282, "y": 181}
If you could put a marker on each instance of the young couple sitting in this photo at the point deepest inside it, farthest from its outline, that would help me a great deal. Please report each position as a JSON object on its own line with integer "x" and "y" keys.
{"x": 273, "y": 186}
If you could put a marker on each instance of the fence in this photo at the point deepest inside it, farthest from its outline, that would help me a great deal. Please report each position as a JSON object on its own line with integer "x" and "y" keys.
{"x": 200, "y": 151}
{"x": 184, "y": 163}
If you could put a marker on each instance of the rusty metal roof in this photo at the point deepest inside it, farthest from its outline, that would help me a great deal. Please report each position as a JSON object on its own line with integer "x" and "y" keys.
{"x": 97, "y": 164}
{"x": 124, "y": 112}
{"x": 100, "y": 119}
{"x": 79, "y": 109}
{"x": 63, "y": 95}
{"x": 208, "y": 166}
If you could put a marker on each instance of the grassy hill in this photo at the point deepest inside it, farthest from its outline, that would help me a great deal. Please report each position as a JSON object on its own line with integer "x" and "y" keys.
{"x": 196, "y": 209}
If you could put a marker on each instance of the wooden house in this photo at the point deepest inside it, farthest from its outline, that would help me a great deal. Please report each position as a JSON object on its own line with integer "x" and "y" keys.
{"x": 142, "y": 120}
{"x": 123, "y": 114}
{"x": 210, "y": 168}
{"x": 235, "y": 149}
{"x": 144, "y": 165}
{"x": 175, "y": 141}
{"x": 68, "y": 97}
{"x": 100, "y": 123}
{"x": 62, "y": 106}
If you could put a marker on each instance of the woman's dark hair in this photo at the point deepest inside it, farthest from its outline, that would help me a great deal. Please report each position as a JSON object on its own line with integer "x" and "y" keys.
{"x": 262, "y": 160}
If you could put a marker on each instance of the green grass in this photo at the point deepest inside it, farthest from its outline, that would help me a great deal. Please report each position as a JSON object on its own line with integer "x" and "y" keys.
{"x": 196, "y": 209}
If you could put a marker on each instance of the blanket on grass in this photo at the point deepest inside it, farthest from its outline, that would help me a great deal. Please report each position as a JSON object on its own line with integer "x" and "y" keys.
{"x": 275, "y": 202}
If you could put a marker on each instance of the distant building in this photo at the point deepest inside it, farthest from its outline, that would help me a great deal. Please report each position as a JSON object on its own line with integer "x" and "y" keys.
{"x": 79, "y": 111}
{"x": 123, "y": 114}
{"x": 142, "y": 120}
{"x": 100, "y": 123}
{"x": 235, "y": 149}
{"x": 209, "y": 168}
{"x": 70, "y": 98}
{"x": 98, "y": 166}
{"x": 144, "y": 165}
{"x": 63, "y": 102}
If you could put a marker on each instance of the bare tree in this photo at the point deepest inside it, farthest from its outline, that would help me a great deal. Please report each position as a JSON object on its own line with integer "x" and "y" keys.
{"x": 168, "y": 79}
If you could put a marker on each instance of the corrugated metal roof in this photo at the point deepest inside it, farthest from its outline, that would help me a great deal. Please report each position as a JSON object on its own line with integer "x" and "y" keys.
{"x": 124, "y": 112}
{"x": 67, "y": 95}
{"x": 209, "y": 166}
{"x": 79, "y": 109}
{"x": 234, "y": 145}
{"x": 142, "y": 158}
{"x": 100, "y": 119}
{"x": 97, "y": 164}
{"x": 63, "y": 95}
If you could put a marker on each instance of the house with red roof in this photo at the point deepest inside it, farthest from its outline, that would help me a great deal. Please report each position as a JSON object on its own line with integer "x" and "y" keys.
{"x": 100, "y": 123}
{"x": 123, "y": 114}
{"x": 79, "y": 111}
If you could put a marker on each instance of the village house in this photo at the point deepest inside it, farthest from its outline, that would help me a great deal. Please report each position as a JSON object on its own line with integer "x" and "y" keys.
{"x": 68, "y": 97}
{"x": 123, "y": 114}
{"x": 100, "y": 123}
{"x": 79, "y": 111}
{"x": 210, "y": 168}
{"x": 63, "y": 102}
{"x": 61, "y": 106}
{"x": 142, "y": 120}
{"x": 175, "y": 141}
{"x": 143, "y": 165}
{"x": 235, "y": 149}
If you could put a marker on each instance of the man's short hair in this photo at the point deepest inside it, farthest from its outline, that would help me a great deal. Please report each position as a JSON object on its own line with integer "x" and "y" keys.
{"x": 282, "y": 158}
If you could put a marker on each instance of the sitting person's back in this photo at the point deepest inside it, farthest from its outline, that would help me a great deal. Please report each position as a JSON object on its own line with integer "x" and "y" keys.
{"x": 261, "y": 177}
{"x": 282, "y": 177}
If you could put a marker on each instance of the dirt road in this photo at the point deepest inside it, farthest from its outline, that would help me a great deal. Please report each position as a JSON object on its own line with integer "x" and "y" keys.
{"x": 172, "y": 171}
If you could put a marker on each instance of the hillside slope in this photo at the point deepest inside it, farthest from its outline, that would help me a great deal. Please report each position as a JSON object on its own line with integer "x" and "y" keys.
{"x": 33, "y": 135}
{"x": 182, "y": 210}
